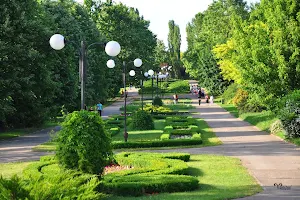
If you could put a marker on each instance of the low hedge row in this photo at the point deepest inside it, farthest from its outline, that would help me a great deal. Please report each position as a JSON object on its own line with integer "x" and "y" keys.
{"x": 151, "y": 172}
{"x": 195, "y": 136}
{"x": 184, "y": 131}
{"x": 155, "y": 143}
{"x": 114, "y": 131}
{"x": 138, "y": 185}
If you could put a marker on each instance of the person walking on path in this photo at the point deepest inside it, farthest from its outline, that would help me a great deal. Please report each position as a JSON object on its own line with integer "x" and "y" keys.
{"x": 211, "y": 99}
{"x": 199, "y": 97}
{"x": 99, "y": 108}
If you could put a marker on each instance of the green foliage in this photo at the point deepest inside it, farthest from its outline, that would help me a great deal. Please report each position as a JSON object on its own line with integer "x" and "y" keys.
{"x": 157, "y": 101}
{"x": 168, "y": 129}
{"x": 83, "y": 143}
{"x": 276, "y": 127}
{"x": 230, "y": 93}
{"x": 157, "y": 109}
{"x": 12, "y": 189}
{"x": 196, "y": 136}
{"x": 174, "y": 42}
{"x": 179, "y": 86}
{"x": 208, "y": 29}
{"x": 142, "y": 120}
{"x": 165, "y": 136}
{"x": 114, "y": 131}
{"x": 152, "y": 172}
{"x": 58, "y": 183}
{"x": 155, "y": 143}
{"x": 290, "y": 114}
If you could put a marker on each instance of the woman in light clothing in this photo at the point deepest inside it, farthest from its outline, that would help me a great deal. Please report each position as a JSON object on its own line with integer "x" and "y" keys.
{"x": 211, "y": 99}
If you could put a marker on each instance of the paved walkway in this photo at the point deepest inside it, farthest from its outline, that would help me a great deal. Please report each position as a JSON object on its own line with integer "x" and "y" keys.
{"x": 20, "y": 148}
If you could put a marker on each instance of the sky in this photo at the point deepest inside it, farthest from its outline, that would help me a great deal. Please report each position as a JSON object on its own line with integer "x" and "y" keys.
{"x": 159, "y": 12}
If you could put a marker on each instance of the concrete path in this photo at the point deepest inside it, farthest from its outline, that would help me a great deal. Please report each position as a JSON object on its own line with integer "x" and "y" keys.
{"x": 20, "y": 148}
{"x": 269, "y": 159}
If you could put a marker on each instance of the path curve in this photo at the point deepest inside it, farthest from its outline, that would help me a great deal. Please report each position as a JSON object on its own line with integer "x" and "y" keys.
{"x": 20, "y": 149}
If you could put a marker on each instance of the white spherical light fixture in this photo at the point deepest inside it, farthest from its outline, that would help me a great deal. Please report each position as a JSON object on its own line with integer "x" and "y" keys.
{"x": 146, "y": 74}
{"x": 132, "y": 73}
{"x": 151, "y": 72}
{"x": 110, "y": 64}
{"x": 112, "y": 48}
{"x": 57, "y": 41}
{"x": 137, "y": 62}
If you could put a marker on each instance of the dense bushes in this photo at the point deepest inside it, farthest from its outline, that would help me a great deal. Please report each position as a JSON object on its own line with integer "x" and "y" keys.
{"x": 229, "y": 93}
{"x": 289, "y": 113}
{"x": 12, "y": 189}
{"x": 83, "y": 143}
{"x": 157, "y": 101}
{"x": 142, "y": 120}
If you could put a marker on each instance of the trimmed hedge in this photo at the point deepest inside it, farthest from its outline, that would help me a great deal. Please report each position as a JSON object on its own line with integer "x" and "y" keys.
{"x": 138, "y": 185}
{"x": 155, "y": 143}
{"x": 114, "y": 131}
{"x": 152, "y": 172}
{"x": 165, "y": 136}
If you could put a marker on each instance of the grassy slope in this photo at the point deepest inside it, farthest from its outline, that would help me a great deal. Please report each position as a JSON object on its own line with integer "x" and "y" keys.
{"x": 262, "y": 120}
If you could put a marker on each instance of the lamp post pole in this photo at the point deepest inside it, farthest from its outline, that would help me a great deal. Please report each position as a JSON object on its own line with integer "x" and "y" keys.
{"x": 156, "y": 84}
{"x": 142, "y": 88}
{"x": 82, "y": 72}
{"x": 112, "y": 48}
{"x": 125, "y": 98}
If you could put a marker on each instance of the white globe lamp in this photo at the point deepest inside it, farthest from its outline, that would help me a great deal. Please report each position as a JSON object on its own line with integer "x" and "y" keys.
{"x": 112, "y": 48}
{"x": 57, "y": 41}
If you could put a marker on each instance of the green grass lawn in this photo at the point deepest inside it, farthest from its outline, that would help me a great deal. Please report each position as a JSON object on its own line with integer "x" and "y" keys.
{"x": 219, "y": 177}
{"x": 262, "y": 120}
{"x": 9, "y": 169}
{"x": 19, "y": 132}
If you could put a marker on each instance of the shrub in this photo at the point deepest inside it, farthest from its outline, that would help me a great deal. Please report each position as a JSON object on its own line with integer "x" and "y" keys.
{"x": 230, "y": 93}
{"x": 12, "y": 189}
{"x": 150, "y": 108}
{"x": 83, "y": 143}
{"x": 58, "y": 183}
{"x": 168, "y": 129}
{"x": 156, "y": 143}
{"x": 152, "y": 172}
{"x": 290, "y": 114}
{"x": 165, "y": 136}
{"x": 142, "y": 120}
{"x": 194, "y": 128}
{"x": 114, "y": 131}
{"x": 157, "y": 101}
{"x": 179, "y": 86}
{"x": 276, "y": 127}
{"x": 196, "y": 136}
{"x": 240, "y": 98}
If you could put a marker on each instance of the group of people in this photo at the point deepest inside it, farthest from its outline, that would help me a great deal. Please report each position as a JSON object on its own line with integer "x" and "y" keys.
{"x": 99, "y": 108}
{"x": 195, "y": 90}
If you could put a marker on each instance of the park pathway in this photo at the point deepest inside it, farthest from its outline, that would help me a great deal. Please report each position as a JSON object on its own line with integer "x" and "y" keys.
{"x": 269, "y": 159}
{"x": 20, "y": 148}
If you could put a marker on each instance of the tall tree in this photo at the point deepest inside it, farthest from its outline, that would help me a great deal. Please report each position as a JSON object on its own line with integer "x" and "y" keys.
{"x": 174, "y": 42}
{"x": 125, "y": 25}
{"x": 210, "y": 28}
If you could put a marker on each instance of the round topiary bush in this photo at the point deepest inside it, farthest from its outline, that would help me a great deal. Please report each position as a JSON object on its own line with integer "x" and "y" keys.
{"x": 157, "y": 101}
{"x": 142, "y": 120}
{"x": 83, "y": 143}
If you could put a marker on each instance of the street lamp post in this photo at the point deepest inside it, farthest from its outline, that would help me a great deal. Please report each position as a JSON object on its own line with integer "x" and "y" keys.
{"x": 146, "y": 75}
{"x": 137, "y": 62}
{"x": 112, "y": 48}
{"x": 151, "y": 73}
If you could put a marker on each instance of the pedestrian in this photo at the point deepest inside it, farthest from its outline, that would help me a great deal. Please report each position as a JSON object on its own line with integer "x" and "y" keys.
{"x": 175, "y": 97}
{"x": 211, "y": 100}
{"x": 199, "y": 98}
{"x": 99, "y": 108}
{"x": 207, "y": 99}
